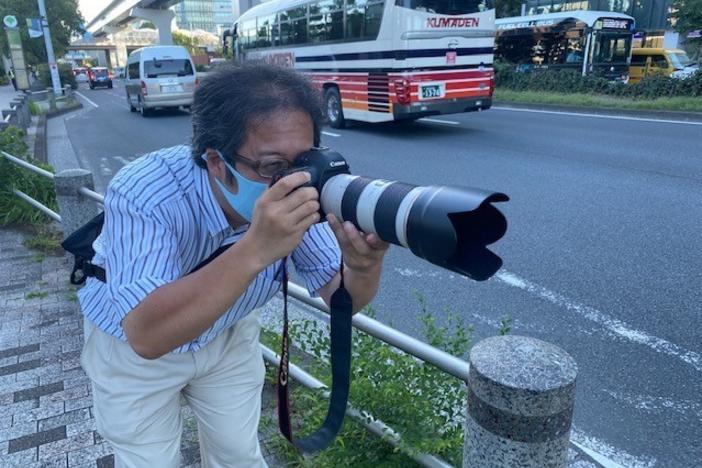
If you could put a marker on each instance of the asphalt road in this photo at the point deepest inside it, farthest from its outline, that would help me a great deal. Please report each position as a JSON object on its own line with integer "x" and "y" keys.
{"x": 603, "y": 255}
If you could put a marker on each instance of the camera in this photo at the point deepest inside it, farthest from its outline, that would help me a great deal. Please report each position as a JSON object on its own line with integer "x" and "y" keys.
{"x": 449, "y": 226}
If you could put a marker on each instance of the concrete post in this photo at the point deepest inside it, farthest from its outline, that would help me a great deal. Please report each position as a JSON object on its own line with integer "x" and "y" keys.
{"x": 52, "y": 99}
{"x": 162, "y": 19}
{"x": 23, "y": 115}
{"x": 68, "y": 91}
{"x": 74, "y": 208}
{"x": 521, "y": 393}
{"x": 3, "y": 125}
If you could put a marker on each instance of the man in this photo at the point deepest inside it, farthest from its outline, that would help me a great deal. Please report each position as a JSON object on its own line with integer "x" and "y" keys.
{"x": 156, "y": 330}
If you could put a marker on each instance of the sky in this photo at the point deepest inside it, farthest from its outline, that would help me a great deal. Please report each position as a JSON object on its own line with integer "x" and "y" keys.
{"x": 90, "y": 8}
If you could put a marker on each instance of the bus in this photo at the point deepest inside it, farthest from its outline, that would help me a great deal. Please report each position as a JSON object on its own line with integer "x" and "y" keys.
{"x": 591, "y": 42}
{"x": 378, "y": 60}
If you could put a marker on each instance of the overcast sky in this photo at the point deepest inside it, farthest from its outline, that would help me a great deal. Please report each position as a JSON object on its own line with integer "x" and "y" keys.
{"x": 90, "y": 8}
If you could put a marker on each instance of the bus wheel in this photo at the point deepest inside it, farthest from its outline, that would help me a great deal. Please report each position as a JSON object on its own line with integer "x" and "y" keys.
{"x": 332, "y": 105}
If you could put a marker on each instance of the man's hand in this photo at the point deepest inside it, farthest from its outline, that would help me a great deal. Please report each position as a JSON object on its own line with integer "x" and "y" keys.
{"x": 282, "y": 216}
{"x": 363, "y": 261}
{"x": 362, "y": 252}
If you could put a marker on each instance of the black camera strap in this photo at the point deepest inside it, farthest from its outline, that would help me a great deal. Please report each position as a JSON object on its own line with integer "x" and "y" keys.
{"x": 340, "y": 338}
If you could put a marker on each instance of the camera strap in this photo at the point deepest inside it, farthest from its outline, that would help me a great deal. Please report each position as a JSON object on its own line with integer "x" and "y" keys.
{"x": 340, "y": 341}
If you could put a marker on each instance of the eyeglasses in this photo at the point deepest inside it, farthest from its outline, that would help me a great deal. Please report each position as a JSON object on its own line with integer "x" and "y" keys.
{"x": 266, "y": 167}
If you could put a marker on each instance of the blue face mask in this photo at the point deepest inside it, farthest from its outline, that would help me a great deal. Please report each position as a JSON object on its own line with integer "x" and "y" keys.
{"x": 248, "y": 192}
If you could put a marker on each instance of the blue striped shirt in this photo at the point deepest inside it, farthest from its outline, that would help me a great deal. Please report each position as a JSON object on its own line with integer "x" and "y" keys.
{"x": 161, "y": 221}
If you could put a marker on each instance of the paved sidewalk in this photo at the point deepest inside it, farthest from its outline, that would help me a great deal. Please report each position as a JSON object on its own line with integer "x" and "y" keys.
{"x": 7, "y": 94}
{"x": 46, "y": 415}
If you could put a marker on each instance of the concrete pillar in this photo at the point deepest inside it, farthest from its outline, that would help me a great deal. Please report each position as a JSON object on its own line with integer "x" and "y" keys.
{"x": 74, "y": 208}
{"x": 21, "y": 118}
{"x": 521, "y": 393}
{"x": 162, "y": 19}
{"x": 52, "y": 99}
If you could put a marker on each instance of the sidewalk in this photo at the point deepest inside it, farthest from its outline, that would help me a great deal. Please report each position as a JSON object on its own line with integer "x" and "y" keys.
{"x": 7, "y": 94}
{"x": 46, "y": 415}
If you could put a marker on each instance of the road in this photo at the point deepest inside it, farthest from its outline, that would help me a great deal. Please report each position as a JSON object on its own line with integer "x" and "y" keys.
{"x": 603, "y": 254}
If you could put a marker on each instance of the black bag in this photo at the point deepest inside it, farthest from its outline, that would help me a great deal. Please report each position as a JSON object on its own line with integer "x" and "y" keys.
{"x": 80, "y": 244}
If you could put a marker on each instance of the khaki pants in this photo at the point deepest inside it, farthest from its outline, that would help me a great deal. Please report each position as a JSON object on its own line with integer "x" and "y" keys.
{"x": 137, "y": 401}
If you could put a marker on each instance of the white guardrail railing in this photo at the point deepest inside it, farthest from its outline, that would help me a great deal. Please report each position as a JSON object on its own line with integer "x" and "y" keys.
{"x": 494, "y": 432}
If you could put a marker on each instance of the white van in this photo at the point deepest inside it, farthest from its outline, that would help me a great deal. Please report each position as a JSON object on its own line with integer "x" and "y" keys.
{"x": 159, "y": 76}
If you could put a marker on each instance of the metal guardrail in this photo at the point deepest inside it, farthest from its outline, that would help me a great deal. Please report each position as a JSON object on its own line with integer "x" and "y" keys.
{"x": 492, "y": 387}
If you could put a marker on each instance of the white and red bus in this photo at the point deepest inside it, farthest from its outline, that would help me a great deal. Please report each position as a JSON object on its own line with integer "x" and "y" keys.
{"x": 379, "y": 60}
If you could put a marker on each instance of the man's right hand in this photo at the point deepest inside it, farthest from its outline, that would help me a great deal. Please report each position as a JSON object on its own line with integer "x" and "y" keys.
{"x": 282, "y": 216}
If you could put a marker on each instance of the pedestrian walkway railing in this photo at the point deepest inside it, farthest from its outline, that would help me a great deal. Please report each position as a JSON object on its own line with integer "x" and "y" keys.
{"x": 520, "y": 391}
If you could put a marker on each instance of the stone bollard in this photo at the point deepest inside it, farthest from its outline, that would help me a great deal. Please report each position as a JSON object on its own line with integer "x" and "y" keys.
{"x": 521, "y": 393}
{"x": 24, "y": 117}
{"x": 52, "y": 99}
{"x": 74, "y": 208}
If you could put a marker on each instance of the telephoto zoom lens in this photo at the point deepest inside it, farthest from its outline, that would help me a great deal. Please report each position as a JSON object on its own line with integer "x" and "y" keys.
{"x": 448, "y": 226}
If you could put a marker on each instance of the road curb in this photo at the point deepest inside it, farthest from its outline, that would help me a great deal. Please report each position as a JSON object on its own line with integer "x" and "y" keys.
{"x": 643, "y": 114}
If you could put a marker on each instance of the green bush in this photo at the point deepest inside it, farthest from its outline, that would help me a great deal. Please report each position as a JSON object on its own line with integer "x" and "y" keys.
{"x": 65, "y": 73}
{"x": 13, "y": 209}
{"x": 571, "y": 81}
{"x": 423, "y": 404}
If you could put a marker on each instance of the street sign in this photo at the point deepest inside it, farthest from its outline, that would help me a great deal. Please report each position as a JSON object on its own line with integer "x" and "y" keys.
{"x": 10, "y": 21}
{"x": 34, "y": 27}
{"x": 694, "y": 34}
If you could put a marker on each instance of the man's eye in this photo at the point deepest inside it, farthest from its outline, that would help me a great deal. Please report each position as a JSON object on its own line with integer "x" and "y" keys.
{"x": 274, "y": 166}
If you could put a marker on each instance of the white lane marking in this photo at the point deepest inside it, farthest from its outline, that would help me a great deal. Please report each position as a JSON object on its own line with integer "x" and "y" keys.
{"x": 596, "y": 116}
{"x": 606, "y": 455}
{"x": 86, "y": 98}
{"x": 124, "y": 161}
{"x": 612, "y": 324}
{"x": 448, "y": 122}
{"x": 331, "y": 134}
{"x": 657, "y": 403}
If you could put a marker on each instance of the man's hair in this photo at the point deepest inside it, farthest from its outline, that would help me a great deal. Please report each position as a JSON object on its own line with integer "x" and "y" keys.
{"x": 234, "y": 98}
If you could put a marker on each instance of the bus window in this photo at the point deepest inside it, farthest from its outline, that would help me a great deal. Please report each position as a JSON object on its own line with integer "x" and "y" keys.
{"x": 611, "y": 48}
{"x": 374, "y": 15}
{"x": 355, "y": 10}
{"x": 263, "y": 36}
{"x": 444, "y": 7}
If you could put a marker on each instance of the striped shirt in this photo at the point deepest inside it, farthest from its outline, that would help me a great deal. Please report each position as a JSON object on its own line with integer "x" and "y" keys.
{"x": 161, "y": 221}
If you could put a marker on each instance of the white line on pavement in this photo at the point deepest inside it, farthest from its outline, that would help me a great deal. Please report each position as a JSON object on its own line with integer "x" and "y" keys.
{"x": 605, "y": 454}
{"x": 86, "y": 98}
{"x": 331, "y": 134}
{"x": 612, "y": 324}
{"x": 448, "y": 122}
{"x": 596, "y": 116}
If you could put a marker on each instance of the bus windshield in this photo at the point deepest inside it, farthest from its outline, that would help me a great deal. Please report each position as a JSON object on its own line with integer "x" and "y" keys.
{"x": 611, "y": 48}
{"x": 446, "y": 7}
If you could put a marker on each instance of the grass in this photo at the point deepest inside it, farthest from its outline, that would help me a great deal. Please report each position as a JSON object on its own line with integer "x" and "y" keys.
{"x": 684, "y": 104}
{"x": 36, "y": 295}
{"x": 45, "y": 241}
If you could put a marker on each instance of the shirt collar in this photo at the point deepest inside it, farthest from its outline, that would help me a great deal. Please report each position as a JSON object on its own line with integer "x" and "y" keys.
{"x": 214, "y": 216}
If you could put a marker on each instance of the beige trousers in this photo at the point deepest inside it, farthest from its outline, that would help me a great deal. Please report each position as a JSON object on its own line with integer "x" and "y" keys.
{"x": 137, "y": 401}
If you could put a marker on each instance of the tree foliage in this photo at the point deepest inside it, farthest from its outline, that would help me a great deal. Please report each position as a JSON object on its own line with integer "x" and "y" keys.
{"x": 64, "y": 18}
{"x": 507, "y": 8}
{"x": 688, "y": 15}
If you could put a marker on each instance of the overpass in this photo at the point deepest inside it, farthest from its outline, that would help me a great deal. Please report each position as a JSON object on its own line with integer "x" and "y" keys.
{"x": 118, "y": 13}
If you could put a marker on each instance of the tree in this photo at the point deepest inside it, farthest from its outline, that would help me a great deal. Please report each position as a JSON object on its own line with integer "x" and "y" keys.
{"x": 507, "y": 8}
{"x": 64, "y": 19}
{"x": 687, "y": 17}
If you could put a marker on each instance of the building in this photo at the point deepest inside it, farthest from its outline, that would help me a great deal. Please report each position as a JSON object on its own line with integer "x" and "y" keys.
{"x": 652, "y": 16}
{"x": 208, "y": 15}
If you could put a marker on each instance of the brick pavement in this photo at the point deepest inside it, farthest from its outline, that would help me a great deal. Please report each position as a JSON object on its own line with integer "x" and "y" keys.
{"x": 45, "y": 400}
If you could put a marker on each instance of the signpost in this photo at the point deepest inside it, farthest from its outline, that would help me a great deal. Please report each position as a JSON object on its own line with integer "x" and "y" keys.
{"x": 53, "y": 66}
{"x": 14, "y": 40}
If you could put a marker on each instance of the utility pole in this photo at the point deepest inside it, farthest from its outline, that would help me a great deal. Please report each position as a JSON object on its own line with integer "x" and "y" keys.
{"x": 53, "y": 66}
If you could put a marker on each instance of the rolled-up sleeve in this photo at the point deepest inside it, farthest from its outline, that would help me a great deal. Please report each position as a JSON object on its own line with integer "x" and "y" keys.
{"x": 317, "y": 258}
{"x": 142, "y": 253}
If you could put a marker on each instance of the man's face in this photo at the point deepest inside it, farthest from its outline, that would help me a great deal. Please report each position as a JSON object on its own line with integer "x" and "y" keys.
{"x": 284, "y": 134}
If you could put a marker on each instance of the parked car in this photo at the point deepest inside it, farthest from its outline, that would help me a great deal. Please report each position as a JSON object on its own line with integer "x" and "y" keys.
{"x": 650, "y": 61}
{"x": 99, "y": 76}
{"x": 159, "y": 76}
